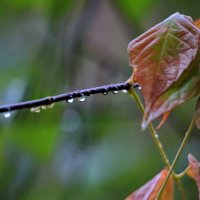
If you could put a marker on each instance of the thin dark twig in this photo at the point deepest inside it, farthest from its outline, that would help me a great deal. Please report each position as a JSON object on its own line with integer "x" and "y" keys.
{"x": 64, "y": 97}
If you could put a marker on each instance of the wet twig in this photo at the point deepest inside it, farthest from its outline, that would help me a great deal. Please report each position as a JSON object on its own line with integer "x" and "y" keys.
{"x": 66, "y": 97}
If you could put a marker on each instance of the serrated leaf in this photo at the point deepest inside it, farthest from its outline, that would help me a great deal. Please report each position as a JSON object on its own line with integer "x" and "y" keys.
{"x": 151, "y": 188}
{"x": 162, "y": 59}
{"x": 194, "y": 170}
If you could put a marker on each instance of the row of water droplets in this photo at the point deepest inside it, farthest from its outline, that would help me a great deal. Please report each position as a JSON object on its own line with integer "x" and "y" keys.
{"x": 69, "y": 99}
{"x": 82, "y": 97}
{"x": 43, "y": 107}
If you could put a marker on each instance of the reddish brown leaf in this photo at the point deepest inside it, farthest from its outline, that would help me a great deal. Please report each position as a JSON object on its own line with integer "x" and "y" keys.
{"x": 186, "y": 87}
{"x": 194, "y": 170}
{"x": 160, "y": 57}
{"x": 151, "y": 188}
{"x": 165, "y": 116}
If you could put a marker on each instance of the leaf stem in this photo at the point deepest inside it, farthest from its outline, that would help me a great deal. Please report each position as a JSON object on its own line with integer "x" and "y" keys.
{"x": 181, "y": 174}
{"x": 187, "y": 134}
{"x": 158, "y": 143}
{"x": 152, "y": 130}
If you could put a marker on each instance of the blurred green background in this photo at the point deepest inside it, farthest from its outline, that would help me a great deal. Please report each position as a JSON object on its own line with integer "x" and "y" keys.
{"x": 89, "y": 150}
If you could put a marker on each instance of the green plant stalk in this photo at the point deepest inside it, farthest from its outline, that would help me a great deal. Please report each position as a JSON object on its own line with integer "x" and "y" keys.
{"x": 187, "y": 135}
{"x": 152, "y": 130}
{"x": 183, "y": 173}
{"x": 159, "y": 146}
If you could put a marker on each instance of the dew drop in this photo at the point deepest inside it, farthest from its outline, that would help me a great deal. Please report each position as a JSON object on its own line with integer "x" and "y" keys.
{"x": 81, "y": 98}
{"x": 105, "y": 92}
{"x": 115, "y": 91}
{"x": 44, "y": 107}
{"x": 156, "y": 135}
{"x": 33, "y": 109}
{"x": 124, "y": 91}
{"x": 51, "y": 105}
{"x": 37, "y": 109}
{"x": 70, "y": 100}
{"x": 7, "y": 114}
{"x": 139, "y": 87}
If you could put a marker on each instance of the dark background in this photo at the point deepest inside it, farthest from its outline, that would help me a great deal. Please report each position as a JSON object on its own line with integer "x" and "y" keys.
{"x": 84, "y": 150}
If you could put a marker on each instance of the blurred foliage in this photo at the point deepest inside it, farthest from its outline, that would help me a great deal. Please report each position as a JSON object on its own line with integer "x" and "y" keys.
{"x": 136, "y": 10}
{"x": 90, "y": 150}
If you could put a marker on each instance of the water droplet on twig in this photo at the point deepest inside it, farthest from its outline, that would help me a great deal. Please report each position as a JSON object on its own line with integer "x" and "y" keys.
{"x": 124, "y": 91}
{"x": 105, "y": 92}
{"x": 139, "y": 87}
{"x": 7, "y": 114}
{"x": 37, "y": 109}
{"x": 51, "y": 105}
{"x": 33, "y": 109}
{"x": 81, "y": 98}
{"x": 70, "y": 100}
{"x": 44, "y": 107}
{"x": 115, "y": 91}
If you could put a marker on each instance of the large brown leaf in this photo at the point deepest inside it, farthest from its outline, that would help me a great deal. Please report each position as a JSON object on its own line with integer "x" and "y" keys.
{"x": 151, "y": 188}
{"x": 186, "y": 87}
{"x": 160, "y": 59}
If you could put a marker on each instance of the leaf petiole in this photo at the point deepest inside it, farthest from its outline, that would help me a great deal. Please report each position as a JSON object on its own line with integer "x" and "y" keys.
{"x": 151, "y": 128}
{"x": 181, "y": 174}
{"x": 187, "y": 134}
{"x": 158, "y": 143}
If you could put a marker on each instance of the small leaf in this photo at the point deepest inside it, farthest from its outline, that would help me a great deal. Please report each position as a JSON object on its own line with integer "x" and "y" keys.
{"x": 151, "y": 188}
{"x": 197, "y": 114}
{"x": 163, "y": 61}
{"x": 194, "y": 170}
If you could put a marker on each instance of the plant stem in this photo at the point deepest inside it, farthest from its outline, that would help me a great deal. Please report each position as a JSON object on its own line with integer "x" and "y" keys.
{"x": 158, "y": 143}
{"x": 152, "y": 130}
{"x": 187, "y": 134}
{"x": 183, "y": 173}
